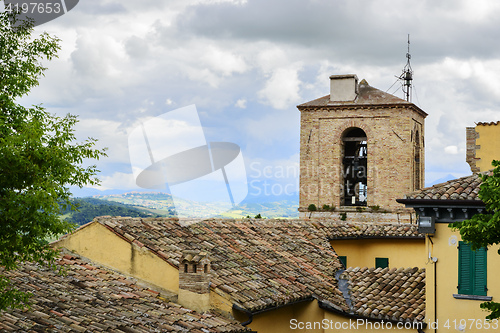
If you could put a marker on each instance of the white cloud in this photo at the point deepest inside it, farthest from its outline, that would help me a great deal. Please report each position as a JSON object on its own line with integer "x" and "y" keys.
{"x": 270, "y": 58}
{"x": 241, "y": 103}
{"x": 451, "y": 150}
{"x": 224, "y": 62}
{"x": 124, "y": 61}
{"x": 281, "y": 90}
{"x": 118, "y": 181}
{"x": 110, "y": 134}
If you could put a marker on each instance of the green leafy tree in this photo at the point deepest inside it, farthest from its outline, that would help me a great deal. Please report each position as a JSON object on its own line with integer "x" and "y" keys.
{"x": 39, "y": 158}
{"x": 483, "y": 230}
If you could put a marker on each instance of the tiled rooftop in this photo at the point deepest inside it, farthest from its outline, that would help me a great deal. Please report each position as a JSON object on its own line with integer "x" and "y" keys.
{"x": 367, "y": 95}
{"x": 491, "y": 123}
{"x": 465, "y": 188}
{"x": 353, "y": 230}
{"x": 93, "y": 299}
{"x": 389, "y": 294}
{"x": 261, "y": 264}
{"x": 258, "y": 264}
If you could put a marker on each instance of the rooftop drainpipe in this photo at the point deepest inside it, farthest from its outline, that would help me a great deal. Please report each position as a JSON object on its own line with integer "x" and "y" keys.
{"x": 434, "y": 260}
{"x": 245, "y": 311}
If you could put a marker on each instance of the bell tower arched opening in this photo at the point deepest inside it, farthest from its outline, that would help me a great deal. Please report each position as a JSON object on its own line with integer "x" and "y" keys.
{"x": 416, "y": 169}
{"x": 355, "y": 163}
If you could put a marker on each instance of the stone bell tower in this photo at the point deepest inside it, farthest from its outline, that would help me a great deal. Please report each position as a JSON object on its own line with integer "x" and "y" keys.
{"x": 360, "y": 150}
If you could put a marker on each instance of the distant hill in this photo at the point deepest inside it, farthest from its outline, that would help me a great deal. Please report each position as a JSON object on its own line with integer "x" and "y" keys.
{"x": 89, "y": 208}
{"x": 163, "y": 204}
{"x": 441, "y": 180}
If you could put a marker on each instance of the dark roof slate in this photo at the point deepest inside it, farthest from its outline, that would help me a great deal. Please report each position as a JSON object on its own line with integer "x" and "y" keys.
{"x": 465, "y": 188}
{"x": 92, "y": 299}
{"x": 259, "y": 264}
{"x": 367, "y": 95}
{"x": 491, "y": 123}
{"x": 389, "y": 294}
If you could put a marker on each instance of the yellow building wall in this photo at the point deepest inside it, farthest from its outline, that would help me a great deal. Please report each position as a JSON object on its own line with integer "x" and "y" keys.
{"x": 489, "y": 137}
{"x": 279, "y": 320}
{"x": 339, "y": 323}
{"x": 451, "y": 311}
{"x": 309, "y": 317}
{"x": 222, "y": 303}
{"x": 362, "y": 252}
{"x": 99, "y": 244}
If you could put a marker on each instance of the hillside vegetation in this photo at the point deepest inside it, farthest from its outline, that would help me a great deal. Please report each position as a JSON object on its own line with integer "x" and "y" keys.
{"x": 163, "y": 204}
{"x": 89, "y": 208}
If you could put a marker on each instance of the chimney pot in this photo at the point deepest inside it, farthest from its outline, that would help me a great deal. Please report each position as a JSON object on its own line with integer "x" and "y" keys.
{"x": 194, "y": 280}
{"x": 343, "y": 88}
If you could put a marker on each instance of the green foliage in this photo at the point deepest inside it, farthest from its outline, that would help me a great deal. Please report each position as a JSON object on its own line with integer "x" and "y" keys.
{"x": 38, "y": 157}
{"x": 312, "y": 208}
{"x": 375, "y": 208}
{"x": 483, "y": 230}
{"x": 258, "y": 216}
{"x": 359, "y": 209}
{"x": 11, "y": 297}
{"x": 343, "y": 216}
{"x": 493, "y": 307}
{"x": 89, "y": 208}
{"x": 326, "y": 207}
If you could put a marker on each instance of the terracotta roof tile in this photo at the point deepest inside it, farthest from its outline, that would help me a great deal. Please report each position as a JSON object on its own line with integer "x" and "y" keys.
{"x": 488, "y": 123}
{"x": 354, "y": 230}
{"x": 111, "y": 303}
{"x": 389, "y": 294}
{"x": 252, "y": 260}
{"x": 465, "y": 188}
{"x": 259, "y": 264}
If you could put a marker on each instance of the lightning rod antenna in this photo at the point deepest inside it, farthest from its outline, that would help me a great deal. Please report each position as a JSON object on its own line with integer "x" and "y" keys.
{"x": 407, "y": 75}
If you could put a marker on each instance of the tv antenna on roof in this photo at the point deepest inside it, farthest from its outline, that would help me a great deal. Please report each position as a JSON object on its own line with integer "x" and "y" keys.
{"x": 407, "y": 75}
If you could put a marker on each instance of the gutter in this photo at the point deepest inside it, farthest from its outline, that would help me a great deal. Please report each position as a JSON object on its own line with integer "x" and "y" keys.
{"x": 250, "y": 314}
{"x": 322, "y": 305}
{"x": 440, "y": 202}
{"x": 421, "y": 236}
{"x": 325, "y": 306}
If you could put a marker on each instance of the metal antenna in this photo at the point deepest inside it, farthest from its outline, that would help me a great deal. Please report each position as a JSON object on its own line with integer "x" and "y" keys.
{"x": 407, "y": 75}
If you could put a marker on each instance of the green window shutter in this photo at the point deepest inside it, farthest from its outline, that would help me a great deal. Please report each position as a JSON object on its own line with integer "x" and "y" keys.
{"x": 472, "y": 270}
{"x": 381, "y": 262}
{"x": 343, "y": 260}
{"x": 465, "y": 268}
{"x": 480, "y": 272}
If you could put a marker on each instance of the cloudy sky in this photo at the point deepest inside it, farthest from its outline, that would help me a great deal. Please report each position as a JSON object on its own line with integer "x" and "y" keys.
{"x": 247, "y": 64}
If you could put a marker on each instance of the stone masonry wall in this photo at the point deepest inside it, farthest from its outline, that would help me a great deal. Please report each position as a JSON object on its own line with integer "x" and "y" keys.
{"x": 470, "y": 136}
{"x": 389, "y": 145}
{"x": 197, "y": 283}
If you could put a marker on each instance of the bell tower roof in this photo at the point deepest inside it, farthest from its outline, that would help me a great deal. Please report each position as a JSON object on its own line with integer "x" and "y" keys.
{"x": 366, "y": 95}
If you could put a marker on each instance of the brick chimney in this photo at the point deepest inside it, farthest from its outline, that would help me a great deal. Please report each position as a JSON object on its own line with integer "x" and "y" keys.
{"x": 194, "y": 280}
{"x": 343, "y": 88}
